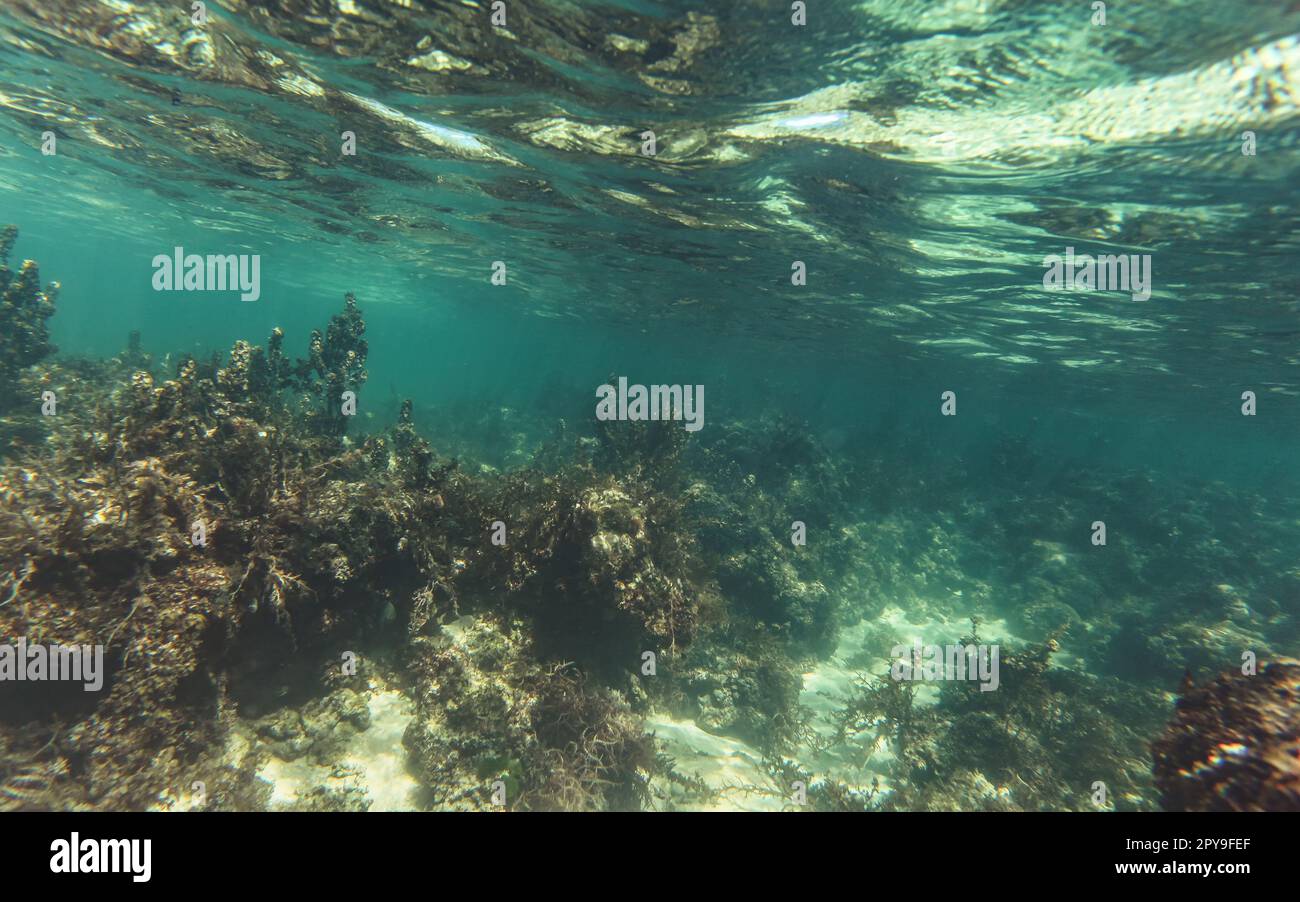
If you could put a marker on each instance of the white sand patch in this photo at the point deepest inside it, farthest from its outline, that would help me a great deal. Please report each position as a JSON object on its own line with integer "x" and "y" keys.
{"x": 374, "y": 759}
{"x": 379, "y": 755}
{"x": 864, "y": 649}
{"x": 735, "y": 770}
{"x": 728, "y": 766}
{"x": 289, "y": 779}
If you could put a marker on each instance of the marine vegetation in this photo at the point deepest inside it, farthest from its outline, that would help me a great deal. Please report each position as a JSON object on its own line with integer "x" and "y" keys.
{"x": 1234, "y": 744}
{"x": 228, "y": 541}
{"x": 261, "y": 573}
{"x": 1044, "y": 740}
{"x": 24, "y": 309}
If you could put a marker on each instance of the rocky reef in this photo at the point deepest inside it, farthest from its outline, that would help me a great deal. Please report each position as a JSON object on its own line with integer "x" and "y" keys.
{"x": 227, "y": 541}
{"x": 259, "y": 572}
{"x": 489, "y": 712}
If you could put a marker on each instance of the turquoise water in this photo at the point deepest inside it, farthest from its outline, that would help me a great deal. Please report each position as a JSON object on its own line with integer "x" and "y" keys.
{"x": 920, "y": 158}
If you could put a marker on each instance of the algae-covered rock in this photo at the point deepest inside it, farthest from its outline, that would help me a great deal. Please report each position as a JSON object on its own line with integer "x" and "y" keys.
{"x": 495, "y": 728}
{"x": 602, "y": 567}
{"x": 1234, "y": 744}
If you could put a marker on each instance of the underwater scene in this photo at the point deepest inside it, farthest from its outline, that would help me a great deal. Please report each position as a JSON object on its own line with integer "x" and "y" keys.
{"x": 649, "y": 405}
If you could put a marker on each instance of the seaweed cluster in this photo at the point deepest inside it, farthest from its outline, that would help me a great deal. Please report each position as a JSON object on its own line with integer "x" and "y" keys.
{"x": 753, "y": 483}
{"x": 214, "y": 530}
{"x": 203, "y": 532}
{"x": 1043, "y": 740}
{"x": 24, "y": 309}
{"x": 493, "y": 719}
{"x": 602, "y": 567}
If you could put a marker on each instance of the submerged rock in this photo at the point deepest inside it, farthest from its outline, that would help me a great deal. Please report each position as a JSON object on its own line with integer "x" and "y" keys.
{"x": 1234, "y": 744}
